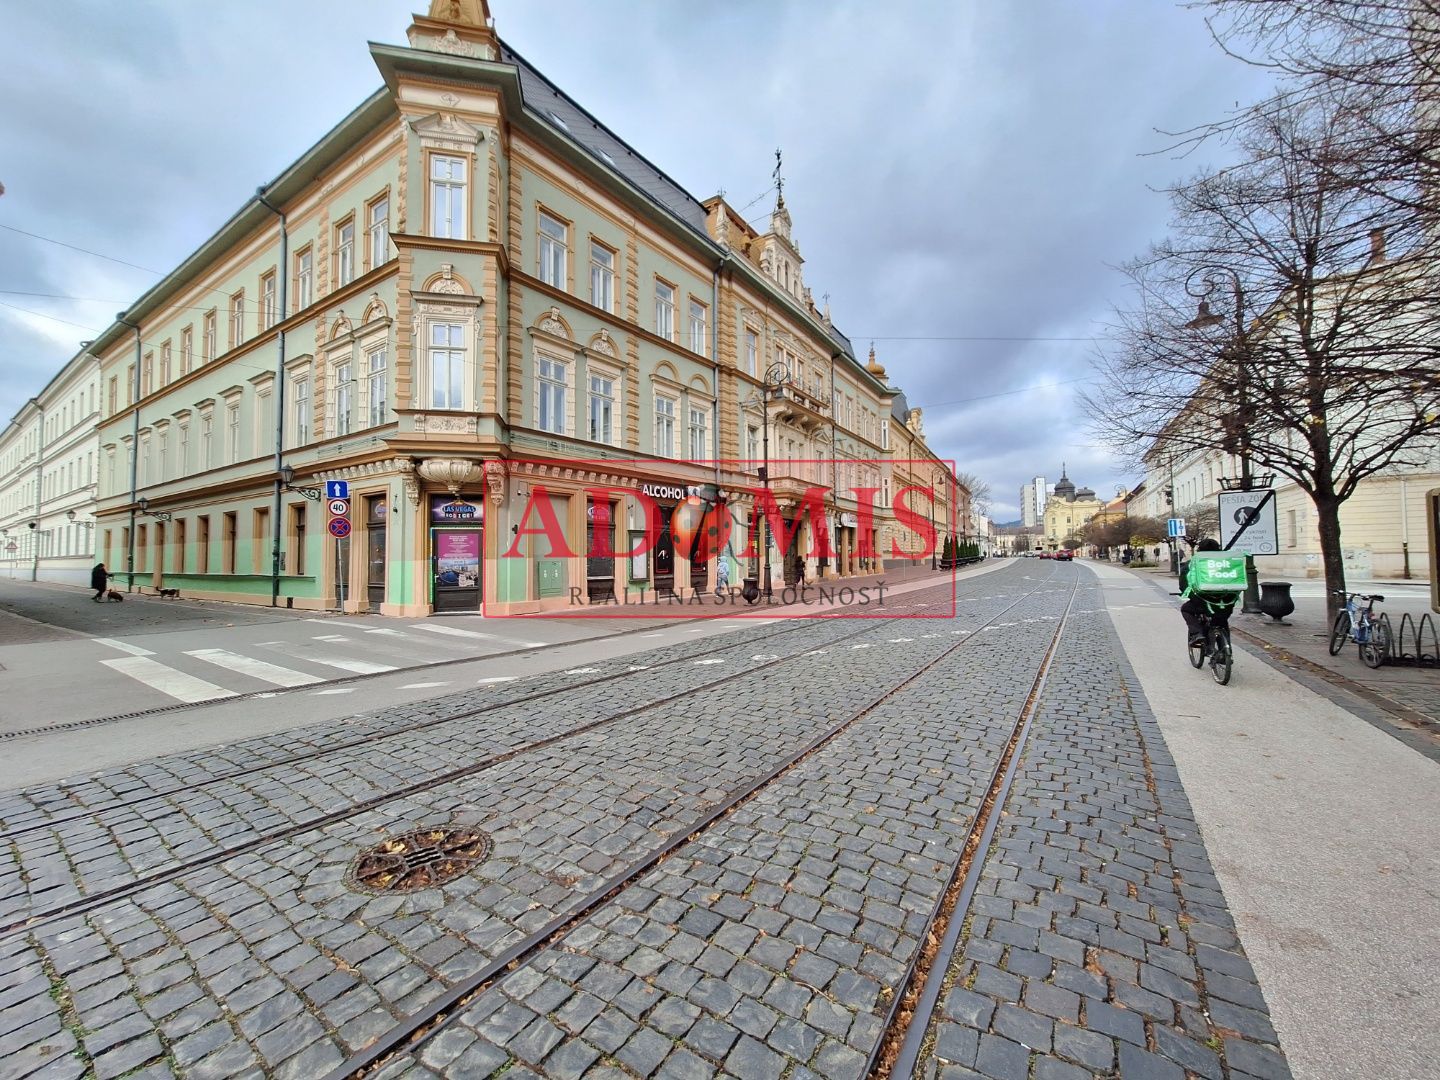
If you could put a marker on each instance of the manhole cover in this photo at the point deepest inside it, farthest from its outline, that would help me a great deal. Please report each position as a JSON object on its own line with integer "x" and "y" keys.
{"x": 419, "y": 860}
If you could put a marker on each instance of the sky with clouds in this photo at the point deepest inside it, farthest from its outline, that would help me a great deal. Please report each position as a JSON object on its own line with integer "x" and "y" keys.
{"x": 963, "y": 174}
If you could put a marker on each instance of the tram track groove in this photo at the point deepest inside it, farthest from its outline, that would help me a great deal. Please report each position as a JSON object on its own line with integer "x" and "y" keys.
{"x": 409, "y": 1036}
{"x": 912, "y": 1009}
{"x": 90, "y": 902}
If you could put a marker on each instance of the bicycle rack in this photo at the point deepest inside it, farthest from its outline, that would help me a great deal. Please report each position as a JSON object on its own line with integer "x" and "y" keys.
{"x": 1417, "y": 644}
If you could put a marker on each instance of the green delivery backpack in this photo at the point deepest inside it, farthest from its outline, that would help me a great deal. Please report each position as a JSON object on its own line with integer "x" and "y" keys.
{"x": 1216, "y": 572}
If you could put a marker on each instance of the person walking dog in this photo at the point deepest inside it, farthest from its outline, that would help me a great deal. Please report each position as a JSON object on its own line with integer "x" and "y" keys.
{"x": 100, "y": 582}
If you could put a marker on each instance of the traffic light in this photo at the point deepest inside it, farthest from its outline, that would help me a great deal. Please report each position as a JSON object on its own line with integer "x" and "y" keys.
{"x": 1169, "y": 496}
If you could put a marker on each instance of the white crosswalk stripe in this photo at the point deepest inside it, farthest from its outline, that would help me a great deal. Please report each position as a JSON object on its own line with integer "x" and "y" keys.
{"x": 257, "y": 669}
{"x": 455, "y": 631}
{"x": 167, "y": 680}
{"x": 346, "y": 663}
{"x": 133, "y": 650}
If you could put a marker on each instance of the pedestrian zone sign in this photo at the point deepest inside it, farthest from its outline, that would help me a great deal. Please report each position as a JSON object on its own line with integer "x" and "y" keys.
{"x": 1175, "y": 527}
{"x": 1248, "y": 522}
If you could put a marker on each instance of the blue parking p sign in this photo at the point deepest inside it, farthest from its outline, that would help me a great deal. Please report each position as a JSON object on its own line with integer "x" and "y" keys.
{"x": 337, "y": 489}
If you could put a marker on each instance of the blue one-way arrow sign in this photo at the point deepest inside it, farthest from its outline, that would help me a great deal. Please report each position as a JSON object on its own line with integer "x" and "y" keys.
{"x": 337, "y": 489}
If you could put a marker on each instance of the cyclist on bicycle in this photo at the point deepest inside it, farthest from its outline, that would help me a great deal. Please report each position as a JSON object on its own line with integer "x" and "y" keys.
{"x": 1217, "y": 606}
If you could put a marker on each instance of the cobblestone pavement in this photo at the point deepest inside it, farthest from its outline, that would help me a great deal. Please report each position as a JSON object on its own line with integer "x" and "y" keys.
{"x": 270, "y": 962}
{"x": 770, "y": 943}
{"x": 1099, "y": 942}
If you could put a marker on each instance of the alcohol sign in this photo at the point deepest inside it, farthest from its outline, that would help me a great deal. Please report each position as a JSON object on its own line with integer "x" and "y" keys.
{"x": 1248, "y": 522}
{"x": 339, "y": 527}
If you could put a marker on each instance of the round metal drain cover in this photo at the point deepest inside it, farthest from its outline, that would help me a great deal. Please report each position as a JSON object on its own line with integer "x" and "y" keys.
{"x": 419, "y": 860}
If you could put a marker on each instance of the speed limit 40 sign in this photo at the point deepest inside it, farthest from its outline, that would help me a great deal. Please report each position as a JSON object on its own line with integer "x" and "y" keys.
{"x": 339, "y": 508}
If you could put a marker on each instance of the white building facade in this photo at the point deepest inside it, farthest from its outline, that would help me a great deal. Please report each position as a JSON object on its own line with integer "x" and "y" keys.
{"x": 49, "y": 461}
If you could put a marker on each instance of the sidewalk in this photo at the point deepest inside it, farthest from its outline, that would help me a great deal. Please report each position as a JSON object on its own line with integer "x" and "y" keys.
{"x": 1409, "y": 692}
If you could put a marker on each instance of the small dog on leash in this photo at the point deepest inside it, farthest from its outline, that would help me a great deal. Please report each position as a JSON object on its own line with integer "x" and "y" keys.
{"x": 170, "y": 594}
{"x": 115, "y": 596}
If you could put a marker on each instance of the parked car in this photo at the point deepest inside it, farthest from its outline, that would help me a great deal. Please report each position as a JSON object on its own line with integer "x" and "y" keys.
{"x": 1065, "y": 555}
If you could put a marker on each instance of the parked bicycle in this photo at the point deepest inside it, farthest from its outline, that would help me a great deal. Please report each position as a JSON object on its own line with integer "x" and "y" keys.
{"x": 1359, "y": 624}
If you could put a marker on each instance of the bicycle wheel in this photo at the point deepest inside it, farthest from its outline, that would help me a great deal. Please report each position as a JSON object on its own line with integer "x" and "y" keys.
{"x": 1197, "y": 656}
{"x": 1340, "y": 633}
{"x": 1375, "y": 651}
{"x": 1221, "y": 658}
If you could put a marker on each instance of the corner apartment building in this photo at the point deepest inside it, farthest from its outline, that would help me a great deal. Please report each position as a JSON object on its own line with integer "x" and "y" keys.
{"x": 471, "y": 292}
{"x": 48, "y": 463}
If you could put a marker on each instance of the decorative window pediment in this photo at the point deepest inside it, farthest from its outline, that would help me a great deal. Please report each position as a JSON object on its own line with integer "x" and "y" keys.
{"x": 446, "y": 131}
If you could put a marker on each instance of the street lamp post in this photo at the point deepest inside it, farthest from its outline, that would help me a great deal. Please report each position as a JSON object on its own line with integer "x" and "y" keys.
{"x": 1204, "y": 317}
{"x": 776, "y": 376}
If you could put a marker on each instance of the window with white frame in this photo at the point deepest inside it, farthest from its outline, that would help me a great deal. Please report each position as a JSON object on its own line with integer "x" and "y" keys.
{"x": 163, "y": 452}
{"x": 344, "y": 398}
{"x": 664, "y": 426}
{"x": 300, "y": 395}
{"x": 697, "y": 327}
{"x": 602, "y": 276}
{"x": 377, "y": 229}
{"x": 375, "y": 378}
{"x": 207, "y": 442}
{"x": 165, "y": 364}
{"x": 602, "y": 409}
{"x": 182, "y": 456}
{"x": 345, "y": 252}
{"x": 267, "y": 301}
{"x": 664, "y": 310}
{"x": 447, "y": 196}
{"x": 554, "y": 248}
{"x": 232, "y": 433}
{"x": 553, "y": 376}
{"x": 752, "y": 443}
{"x": 885, "y": 491}
{"x": 884, "y": 435}
{"x": 447, "y": 366}
{"x": 263, "y": 435}
{"x": 209, "y": 340}
{"x": 304, "y": 278}
{"x": 699, "y": 433}
{"x": 187, "y": 350}
{"x": 237, "y": 319}
{"x": 752, "y": 352}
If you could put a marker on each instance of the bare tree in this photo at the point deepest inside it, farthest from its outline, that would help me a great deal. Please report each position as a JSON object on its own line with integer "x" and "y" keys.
{"x": 979, "y": 491}
{"x": 1201, "y": 520}
{"x": 1325, "y": 368}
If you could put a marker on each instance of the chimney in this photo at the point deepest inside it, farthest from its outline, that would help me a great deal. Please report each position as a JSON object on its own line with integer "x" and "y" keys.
{"x": 1377, "y": 246}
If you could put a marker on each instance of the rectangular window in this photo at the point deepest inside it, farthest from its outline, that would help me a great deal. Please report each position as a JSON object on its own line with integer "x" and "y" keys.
{"x": 697, "y": 327}
{"x": 377, "y": 230}
{"x": 187, "y": 350}
{"x": 297, "y": 538}
{"x": 232, "y": 434}
{"x": 228, "y": 541}
{"x": 345, "y": 252}
{"x": 752, "y": 443}
{"x": 264, "y": 420}
{"x": 163, "y": 444}
{"x": 147, "y": 375}
{"x": 165, "y": 364}
{"x": 182, "y": 457}
{"x": 447, "y": 197}
{"x": 664, "y": 310}
{"x": 300, "y": 394}
{"x": 113, "y": 394}
{"x": 602, "y": 277}
{"x": 209, "y": 341}
{"x": 179, "y": 562}
{"x": 602, "y": 409}
{"x": 259, "y": 548}
{"x": 752, "y": 352}
{"x": 344, "y": 399}
{"x": 237, "y": 319}
{"x": 551, "y": 392}
{"x": 699, "y": 429}
{"x": 207, "y": 443}
{"x": 1292, "y": 528}
{"x": 304, "y": 278}
{"x": 375, "y": 388}
{"x": 885, "y": 437}
{"x": 447, "y": 366}
{"x": 202, "y": 544}
{"x": 267, "y": 301}
{"x": 665, "y": 427}
{"x": 554, "y": 247}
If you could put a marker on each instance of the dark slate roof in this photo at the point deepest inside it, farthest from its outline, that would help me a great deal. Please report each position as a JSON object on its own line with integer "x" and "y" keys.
{"x": 558, "y": 110}
{"x": 899, "y": 407}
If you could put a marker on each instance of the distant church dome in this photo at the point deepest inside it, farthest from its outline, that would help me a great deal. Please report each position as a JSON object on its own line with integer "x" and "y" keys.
{"x": 1064, "y": 489}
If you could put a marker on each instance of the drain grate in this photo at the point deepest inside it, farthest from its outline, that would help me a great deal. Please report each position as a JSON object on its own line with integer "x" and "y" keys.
{"x": 419, "y": 860}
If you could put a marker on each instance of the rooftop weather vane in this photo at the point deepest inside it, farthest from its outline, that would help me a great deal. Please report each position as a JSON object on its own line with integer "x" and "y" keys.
{"x": 779, "y": 180}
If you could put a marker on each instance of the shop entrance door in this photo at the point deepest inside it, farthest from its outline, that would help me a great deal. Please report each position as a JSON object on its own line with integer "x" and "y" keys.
{"x": 455, "y": 569}
{"x": 665, "y": 555}
{"x": 375, "y": 552}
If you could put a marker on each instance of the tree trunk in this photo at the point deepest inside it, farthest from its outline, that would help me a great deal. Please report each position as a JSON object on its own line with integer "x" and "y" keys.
{"x": 1327, "y": 513}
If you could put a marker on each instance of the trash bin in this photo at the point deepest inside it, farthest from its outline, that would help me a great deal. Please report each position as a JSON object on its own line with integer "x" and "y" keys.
{"x": 1275, "y": 600}
{"x": 750, "y": 591}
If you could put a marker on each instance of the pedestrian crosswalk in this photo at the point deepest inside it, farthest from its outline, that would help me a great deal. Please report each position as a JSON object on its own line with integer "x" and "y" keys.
{"x": 176, "y": 672}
